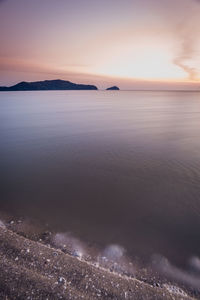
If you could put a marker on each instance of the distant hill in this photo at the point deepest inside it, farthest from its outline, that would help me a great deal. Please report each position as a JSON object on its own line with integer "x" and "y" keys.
{"x": 48, "y": 85}
{"x": 113, "y": 88}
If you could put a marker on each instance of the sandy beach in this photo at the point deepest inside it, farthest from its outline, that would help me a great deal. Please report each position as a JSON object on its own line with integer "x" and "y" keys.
{"x": 34, "y": 270}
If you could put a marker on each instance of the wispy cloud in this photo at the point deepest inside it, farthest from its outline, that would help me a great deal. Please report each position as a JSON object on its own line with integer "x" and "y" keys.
{"x": 185, "y": 54}
{"x": 187, "y": 48}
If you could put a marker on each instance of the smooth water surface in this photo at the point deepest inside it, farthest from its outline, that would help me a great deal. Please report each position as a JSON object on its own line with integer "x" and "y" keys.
{"x": 112, "y": 167}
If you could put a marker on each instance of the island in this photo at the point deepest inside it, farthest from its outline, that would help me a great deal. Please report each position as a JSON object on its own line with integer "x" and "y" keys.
{"x": 48, "y": 85}
{"x": 113, "y": 88}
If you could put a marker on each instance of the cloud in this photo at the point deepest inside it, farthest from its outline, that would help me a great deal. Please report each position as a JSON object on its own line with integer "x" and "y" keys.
{"x": 185, "y": 54}
{"x": 186, "y": 33}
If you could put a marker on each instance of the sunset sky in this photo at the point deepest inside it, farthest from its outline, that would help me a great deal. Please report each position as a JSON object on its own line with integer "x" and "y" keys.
{"x": 131, "y": 43}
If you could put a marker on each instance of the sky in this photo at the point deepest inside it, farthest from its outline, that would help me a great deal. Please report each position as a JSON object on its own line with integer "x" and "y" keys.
{"x": 135, "y": 44}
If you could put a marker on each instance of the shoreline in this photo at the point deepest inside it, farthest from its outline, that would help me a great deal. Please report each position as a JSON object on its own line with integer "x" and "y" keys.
{"x": 34, "y": 270}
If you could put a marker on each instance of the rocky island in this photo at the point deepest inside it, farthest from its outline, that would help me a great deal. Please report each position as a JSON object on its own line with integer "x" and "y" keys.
{"x": 48, "y": 85}
{"x": 113, "y": 88}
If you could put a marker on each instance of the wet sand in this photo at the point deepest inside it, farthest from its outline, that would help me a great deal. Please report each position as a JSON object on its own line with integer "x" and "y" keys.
{"x": 34, "y": 270}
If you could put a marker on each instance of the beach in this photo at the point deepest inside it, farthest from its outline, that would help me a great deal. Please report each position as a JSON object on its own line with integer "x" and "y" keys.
{"x": 33, "y": 269}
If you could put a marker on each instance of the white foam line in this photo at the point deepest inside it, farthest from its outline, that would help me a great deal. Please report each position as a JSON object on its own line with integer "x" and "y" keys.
{"x": 2, "y": 225}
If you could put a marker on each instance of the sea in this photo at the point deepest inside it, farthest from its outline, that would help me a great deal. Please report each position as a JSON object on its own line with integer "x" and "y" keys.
{"x": 111, "y": 167}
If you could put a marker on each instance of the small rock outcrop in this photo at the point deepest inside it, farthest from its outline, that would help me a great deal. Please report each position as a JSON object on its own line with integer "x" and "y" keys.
{"x": 113, "y": 88}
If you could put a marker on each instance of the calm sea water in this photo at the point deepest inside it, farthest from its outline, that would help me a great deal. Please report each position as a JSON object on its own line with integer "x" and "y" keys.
{"x": 111, "y": 167}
